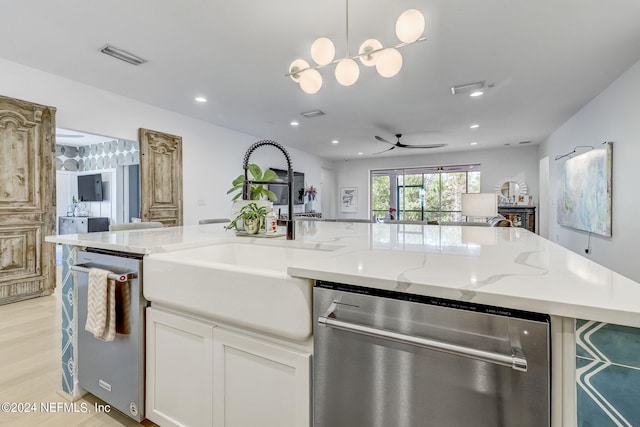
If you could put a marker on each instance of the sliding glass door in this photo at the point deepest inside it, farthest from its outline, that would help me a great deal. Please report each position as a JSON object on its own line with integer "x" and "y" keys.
{"x": 422, "y": 194}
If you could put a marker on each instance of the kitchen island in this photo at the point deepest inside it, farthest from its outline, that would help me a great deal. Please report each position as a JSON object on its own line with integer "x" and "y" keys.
{"x": 506, "y": 267}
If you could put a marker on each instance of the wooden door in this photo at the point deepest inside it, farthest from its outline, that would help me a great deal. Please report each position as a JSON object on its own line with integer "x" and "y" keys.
{"x": 161, "y": 177}
{"x": 27, "y": 199}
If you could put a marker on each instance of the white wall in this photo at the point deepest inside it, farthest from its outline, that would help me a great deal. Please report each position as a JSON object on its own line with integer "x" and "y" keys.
{"x": 614, "y": 115}
{"x": 212, "y": 155}
{"x": 519, "y": 162}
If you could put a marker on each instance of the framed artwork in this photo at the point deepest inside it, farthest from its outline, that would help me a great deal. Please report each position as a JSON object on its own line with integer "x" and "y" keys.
{"x": 585, "y": 196}
{"x": 349, "y": 199}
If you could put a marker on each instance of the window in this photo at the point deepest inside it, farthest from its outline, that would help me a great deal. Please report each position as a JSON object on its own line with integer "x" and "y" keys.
{"x": 423, "y": 194}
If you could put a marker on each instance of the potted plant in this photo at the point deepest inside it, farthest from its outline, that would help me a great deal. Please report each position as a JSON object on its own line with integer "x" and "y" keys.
{"x": 252, "y": 217}
{"x": 256, "y": 191}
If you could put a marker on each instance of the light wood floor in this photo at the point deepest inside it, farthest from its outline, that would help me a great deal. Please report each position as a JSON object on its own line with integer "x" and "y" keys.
{"x": 31, "y": 371}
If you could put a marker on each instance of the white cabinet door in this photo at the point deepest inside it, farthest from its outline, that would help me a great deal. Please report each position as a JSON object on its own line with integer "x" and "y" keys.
{"x": 179, "y": 370}
{"x": 259, "y": 384}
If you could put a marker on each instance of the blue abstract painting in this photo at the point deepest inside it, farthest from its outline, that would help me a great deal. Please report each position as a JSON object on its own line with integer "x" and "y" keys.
{"x": 585, "y": 194}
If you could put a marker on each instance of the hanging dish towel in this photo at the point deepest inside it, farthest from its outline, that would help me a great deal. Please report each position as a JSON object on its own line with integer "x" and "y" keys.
{"x": 101, "y": 305}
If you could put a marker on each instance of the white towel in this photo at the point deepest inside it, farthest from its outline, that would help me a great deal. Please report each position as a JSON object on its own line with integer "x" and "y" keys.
{"x": 101, "y": 305}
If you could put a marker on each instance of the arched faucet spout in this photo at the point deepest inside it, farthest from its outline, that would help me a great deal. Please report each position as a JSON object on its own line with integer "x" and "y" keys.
{"x": 247, "y": 182}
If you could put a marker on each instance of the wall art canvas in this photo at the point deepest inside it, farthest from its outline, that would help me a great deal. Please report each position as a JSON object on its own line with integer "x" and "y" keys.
{"x": 586, "y": 190}
{"x": 349, "y": 199}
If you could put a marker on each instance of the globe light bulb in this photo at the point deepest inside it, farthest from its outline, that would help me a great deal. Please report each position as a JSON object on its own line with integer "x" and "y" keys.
{"x": 389, "y": 62}
{"x": 310, "y": 81}
{"x": 323, "y": 51}
{"x": 347, "y": 72}
{"x": 410, "y": 26}
{"x": 297, "y": 65}
{"x": 370, "y": 45}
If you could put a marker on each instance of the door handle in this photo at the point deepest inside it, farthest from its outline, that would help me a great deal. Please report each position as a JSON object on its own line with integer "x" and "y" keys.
{"x": 515, "y": 361}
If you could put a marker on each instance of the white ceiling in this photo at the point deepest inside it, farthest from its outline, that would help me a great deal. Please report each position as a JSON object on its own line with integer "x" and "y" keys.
{"x": 77, "y": 139}
{"x": 546, "y": 58}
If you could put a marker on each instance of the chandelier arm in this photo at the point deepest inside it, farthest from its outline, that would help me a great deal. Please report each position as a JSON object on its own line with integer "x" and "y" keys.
{"x": 347, "y": 29}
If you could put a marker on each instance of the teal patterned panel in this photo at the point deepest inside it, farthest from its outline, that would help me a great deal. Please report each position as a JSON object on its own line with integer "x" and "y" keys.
{"x": 68, "y": 338}
{"x": 607, "y": 374}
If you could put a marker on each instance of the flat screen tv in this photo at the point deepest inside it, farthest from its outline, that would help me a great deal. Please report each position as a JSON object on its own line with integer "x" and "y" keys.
{"x": 90, "y": 188}
{"x": 281, "y": 190}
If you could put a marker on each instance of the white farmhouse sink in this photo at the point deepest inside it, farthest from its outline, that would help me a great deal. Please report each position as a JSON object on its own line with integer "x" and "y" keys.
{"x": 244, "y": 284}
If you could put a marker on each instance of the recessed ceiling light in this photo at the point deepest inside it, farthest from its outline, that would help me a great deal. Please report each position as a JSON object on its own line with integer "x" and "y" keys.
{"x": 201, "y": 99}
{"x": 360, "y": 153}
{"x": 474, "y": 126}
{"x": 294, "y": 123}
{"x": 335, "y": 141}
{"x": 476, "y": 93}
{"x": 473, "y": 143}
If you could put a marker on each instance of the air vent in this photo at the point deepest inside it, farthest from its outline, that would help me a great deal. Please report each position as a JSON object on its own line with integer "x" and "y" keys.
{"x": 312, "y": 114}
{"x": 122, "y": 55}
{"x": 466, "y": 88}
{"x": 524, "y": 142}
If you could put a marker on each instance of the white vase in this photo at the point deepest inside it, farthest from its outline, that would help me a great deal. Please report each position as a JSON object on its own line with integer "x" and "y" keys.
{"x": 308, "y": 207}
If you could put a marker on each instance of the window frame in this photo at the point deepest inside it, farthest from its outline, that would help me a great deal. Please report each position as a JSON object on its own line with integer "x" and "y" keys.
{"x": 398, "y": 200}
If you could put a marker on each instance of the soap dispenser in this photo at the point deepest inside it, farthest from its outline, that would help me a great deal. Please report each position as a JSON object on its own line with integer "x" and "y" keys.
{"x": 271, "y": 223}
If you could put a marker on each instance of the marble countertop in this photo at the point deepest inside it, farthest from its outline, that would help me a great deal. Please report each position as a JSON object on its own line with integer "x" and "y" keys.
{"x": 501, "y": 266}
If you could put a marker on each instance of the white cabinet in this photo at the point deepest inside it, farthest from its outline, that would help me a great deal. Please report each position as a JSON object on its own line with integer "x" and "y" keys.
{"x": 257, "y": 383}
{"x": 202, "y": 375}
{"x": 179, "y": 370}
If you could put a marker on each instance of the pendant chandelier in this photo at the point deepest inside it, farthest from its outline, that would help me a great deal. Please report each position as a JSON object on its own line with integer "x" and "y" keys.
{"x": 388, "y": 61}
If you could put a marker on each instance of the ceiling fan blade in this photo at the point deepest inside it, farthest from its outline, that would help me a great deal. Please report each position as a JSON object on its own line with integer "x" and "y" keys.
{"x": 381, "y": 139}
{"x": 422, "y": 146}
{"x": 384, "y": 151}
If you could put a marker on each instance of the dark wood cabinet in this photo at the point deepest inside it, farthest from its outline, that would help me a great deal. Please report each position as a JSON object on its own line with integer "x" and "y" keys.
{"x": 82, "y": 224}
{"x": 520, "y": 216}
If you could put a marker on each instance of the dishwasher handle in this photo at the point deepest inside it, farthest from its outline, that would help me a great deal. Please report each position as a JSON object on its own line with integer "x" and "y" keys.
{"x": 516, "y": 360}
{"x": 118, "y": 277}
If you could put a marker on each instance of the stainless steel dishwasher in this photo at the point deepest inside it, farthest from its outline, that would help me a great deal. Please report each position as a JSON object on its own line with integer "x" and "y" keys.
{"x": 384, "y": 358}
{"x": 113, "y": 370}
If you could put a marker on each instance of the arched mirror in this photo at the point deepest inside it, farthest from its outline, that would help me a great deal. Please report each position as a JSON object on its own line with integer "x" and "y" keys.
{"x": 510, "y": 189}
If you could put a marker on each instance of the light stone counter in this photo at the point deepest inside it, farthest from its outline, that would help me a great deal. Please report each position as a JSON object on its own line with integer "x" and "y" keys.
{"x": 500, "y": 266}
{"x": 505, "y": 267}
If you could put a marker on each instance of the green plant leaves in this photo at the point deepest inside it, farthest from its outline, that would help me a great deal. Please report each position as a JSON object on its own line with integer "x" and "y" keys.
{"x": 256, "y": 172}
{"x": 256, "y": 191}
{"x": 270, "y": 175}
{"x": 248, "y": 213}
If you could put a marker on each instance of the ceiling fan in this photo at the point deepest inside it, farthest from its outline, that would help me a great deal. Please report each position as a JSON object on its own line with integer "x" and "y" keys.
{"x": 401, "y": 145}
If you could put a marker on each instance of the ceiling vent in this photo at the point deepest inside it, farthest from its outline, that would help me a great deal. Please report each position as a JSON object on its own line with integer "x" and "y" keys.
{"x": 122, "y": 55}
{"x": 313, "y": 113}
{"x": 524, "y": 142}
{"x": 466, "y": 88}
